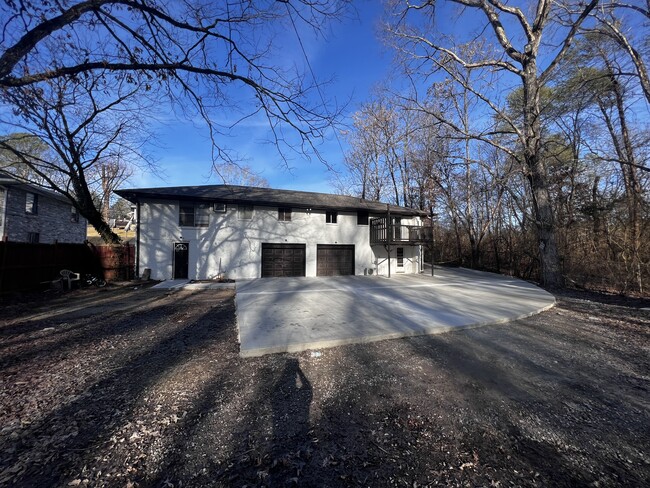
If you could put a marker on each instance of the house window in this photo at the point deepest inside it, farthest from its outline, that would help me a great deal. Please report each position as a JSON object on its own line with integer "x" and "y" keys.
{"x": 74, "y": 215}
{"x": 31, "y": 203}
{"x": 284, "y": 214}
{"x": 219, "y": 207}
{"x": 362, "y": 218}
{"x": 194, "y": 215}
{"x": 397, "y": 228}
{"x": 33, "y": 237}
{"x": 331, "y": 217}
{"x": 400, "y": 257}
{"x": 245, "y": 212}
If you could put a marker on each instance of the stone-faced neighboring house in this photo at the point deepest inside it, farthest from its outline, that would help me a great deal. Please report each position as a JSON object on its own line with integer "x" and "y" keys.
{"x": 238, "y": 232}
{"x": 28, "y": 213}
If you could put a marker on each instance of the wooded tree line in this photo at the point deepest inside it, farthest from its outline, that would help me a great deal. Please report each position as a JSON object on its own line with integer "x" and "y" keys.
{"x": 530, "y": 142}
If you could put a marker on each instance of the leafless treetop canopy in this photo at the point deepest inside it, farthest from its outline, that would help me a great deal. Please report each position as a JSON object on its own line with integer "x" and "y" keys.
{"x": 195, "y": 50}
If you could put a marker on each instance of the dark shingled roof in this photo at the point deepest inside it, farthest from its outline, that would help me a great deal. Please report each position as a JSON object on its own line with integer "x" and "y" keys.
{"x": 7, "y": 179}
{"x": 264, "y": 197}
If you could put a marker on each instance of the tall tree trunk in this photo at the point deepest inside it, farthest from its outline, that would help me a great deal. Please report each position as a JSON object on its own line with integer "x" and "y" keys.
{"x": 106, "y": 192}
{"x": 551, "y": 273}
{"x": 87, "y": 208}
{"x": 626, "y": 157}
{"x": 632, "y": 185}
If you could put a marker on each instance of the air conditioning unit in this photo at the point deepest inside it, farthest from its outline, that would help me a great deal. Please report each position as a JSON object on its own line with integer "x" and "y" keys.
{"x": 219, "y": 207}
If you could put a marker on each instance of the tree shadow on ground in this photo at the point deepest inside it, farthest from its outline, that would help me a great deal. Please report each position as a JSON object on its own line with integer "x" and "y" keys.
{"x": 516, "y": 404}
{"x": 58, "y": 446}
{"x": 72, "y": 332}
{"x": 549, "y": 401}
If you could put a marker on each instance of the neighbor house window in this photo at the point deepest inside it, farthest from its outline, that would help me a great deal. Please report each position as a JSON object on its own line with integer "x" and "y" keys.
{"x": 400, "y": 257}
{"x": 245, "y": 212}
{"x": 362, "y": 218}
{"x": 331, "y": 217}
{"x": 74, "y": 215}
{"x": 284, "y": 214}
{"x": 194, "y": 215}
{"x": 31, "y": 203}
{"x": 33, "y": 237}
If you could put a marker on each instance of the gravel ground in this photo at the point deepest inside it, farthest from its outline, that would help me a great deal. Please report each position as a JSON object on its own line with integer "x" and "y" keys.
{"x": 133, "y": 387}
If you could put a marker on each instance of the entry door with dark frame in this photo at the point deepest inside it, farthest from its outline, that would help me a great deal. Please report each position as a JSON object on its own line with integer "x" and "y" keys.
{"x": 181, "y": 260}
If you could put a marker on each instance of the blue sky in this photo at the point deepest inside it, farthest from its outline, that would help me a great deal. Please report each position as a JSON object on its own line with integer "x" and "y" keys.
{"x": 351, "y": 53}
{"x": 348, "y": 52}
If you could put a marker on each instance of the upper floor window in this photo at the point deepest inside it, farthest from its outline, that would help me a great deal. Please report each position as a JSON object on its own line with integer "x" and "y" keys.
{"x": 244, "y": 212}
{"x": 219, "y": 207}
{"x": 362, "y": 217}
{"x": 331, "y": 217}
{"x": 194, "y": 215}
{"x": 284, "y": 214}
{"x": 31, "y": 203}
{"x": 74, "y": 215}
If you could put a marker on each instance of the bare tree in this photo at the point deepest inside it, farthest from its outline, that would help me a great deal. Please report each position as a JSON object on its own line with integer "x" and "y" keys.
{"x": 471, "y": 182}
{"x": 241, "y": 174}
{"x": 619, "y": 21}
{"x": 369, "y": 163}
{"x": 517, "y": 51}
{"x": 86, "y": 131}
{"x": 112, "y": 174}
{"x": 601, "y": 75}
{"x": 205, "y": 58}
{"x": 211, "y": 58}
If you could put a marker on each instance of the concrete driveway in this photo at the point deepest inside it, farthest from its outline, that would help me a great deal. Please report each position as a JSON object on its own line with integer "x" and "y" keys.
{"x": 295, "y": 314}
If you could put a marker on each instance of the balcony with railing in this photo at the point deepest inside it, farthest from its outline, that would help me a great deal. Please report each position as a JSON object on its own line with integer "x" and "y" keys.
{"x": 384, "y": 232}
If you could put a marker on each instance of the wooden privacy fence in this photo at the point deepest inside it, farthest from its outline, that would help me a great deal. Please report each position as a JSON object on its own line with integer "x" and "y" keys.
{"x": 26, "y": 266}
{"x": 117, "y": 261}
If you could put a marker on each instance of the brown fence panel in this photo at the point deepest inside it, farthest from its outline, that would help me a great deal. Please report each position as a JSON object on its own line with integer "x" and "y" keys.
{"x": 26, "y": 266}
{"x": 116, "y": 261}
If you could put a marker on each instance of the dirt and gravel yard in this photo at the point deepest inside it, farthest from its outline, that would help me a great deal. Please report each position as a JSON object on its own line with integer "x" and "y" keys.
{"x": 135, "y": 387}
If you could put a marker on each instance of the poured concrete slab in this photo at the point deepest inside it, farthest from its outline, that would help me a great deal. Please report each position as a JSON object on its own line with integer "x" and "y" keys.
{"x": 192, "y": 285}
{"x": 170, "y": 284}
{"x": 295, "y": 314}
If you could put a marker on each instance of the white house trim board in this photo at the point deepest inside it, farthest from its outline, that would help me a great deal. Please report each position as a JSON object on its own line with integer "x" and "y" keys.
{"x": 229, "y": 242}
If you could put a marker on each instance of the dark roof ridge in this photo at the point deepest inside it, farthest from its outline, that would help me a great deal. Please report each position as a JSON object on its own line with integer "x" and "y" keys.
{"x": 245, "y": 187}
{"x": 7, "y": 178}
{"x": 261, "y": 195}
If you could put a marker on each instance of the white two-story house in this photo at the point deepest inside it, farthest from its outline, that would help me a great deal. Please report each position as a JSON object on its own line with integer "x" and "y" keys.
{"x": 238, "y": 232}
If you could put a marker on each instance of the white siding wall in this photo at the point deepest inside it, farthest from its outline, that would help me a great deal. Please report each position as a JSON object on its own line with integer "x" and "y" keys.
{"x": 233, "y": 246}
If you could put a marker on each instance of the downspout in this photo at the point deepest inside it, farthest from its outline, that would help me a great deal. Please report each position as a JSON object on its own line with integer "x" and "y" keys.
{"x": 137, "y": 239}
{"x": 388, "y": 234}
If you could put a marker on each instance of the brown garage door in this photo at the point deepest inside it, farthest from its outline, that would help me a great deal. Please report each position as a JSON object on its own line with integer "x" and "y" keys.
{"x": 334, "y": 260}
{"x": 283, "y": 260}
